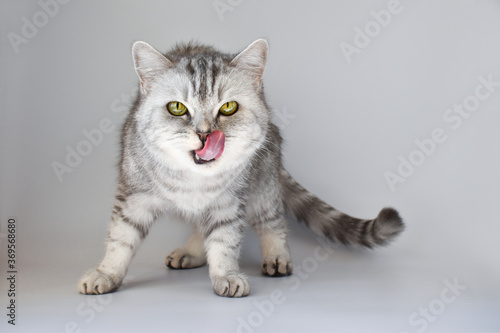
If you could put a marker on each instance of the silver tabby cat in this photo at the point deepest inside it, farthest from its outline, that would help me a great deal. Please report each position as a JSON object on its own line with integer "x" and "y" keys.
{"x": 199, "y": 143}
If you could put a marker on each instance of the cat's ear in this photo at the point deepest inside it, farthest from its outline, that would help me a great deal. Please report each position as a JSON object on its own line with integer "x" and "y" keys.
{"x": 253, "y": 59}
{"x": 149, "y": 64}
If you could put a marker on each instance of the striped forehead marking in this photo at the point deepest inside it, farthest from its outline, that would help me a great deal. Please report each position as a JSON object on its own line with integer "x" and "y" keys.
{"x": 203, "y": 72}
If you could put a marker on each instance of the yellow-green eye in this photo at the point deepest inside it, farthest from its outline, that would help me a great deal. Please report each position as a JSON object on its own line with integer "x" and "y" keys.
{"x": 229, "y": 108}
{"x": 177, "y": 108}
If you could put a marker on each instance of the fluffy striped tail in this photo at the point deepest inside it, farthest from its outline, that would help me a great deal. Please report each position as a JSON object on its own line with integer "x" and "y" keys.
{"x": 325, "y": 220}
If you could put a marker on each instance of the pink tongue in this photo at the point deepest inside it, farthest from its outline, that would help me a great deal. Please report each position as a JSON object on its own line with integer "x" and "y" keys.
{"x": 214, "y": 146}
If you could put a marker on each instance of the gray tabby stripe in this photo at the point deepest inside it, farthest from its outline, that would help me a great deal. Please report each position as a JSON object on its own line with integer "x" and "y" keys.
{"x": 121, "y": 243}
{"x": 143, "y": 231}
{"x": 222, "y": 224}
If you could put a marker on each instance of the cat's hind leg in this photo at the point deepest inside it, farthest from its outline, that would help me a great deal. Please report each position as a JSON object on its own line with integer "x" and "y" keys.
{"x": 274, "y": 247}
{"x": 191, "y": 255}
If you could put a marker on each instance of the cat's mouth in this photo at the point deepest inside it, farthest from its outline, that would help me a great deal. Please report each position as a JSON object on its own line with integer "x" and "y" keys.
{"x": 198, "y": 160}
{"x": 213, "y": 146}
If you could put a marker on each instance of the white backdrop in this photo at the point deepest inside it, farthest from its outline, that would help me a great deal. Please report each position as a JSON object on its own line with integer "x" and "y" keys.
{"x": 381, "y": 103}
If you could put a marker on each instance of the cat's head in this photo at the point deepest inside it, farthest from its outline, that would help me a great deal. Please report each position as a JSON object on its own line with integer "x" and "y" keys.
{"x": 203, "y": 110}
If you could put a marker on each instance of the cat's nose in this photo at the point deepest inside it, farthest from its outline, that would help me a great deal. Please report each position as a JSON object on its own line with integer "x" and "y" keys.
{"x": 203, "y": 136}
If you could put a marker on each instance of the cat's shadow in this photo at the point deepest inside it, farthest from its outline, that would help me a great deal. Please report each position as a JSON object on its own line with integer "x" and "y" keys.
{"x": 160, "y": 277}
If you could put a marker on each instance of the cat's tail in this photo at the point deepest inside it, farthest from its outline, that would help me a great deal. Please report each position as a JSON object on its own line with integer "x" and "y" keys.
{"x": 325, "y": 220}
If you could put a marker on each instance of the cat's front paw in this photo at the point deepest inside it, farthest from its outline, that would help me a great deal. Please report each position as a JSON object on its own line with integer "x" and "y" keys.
{"x": 180, "y": 259}
{"x": 234, "y": 285}
{"x": 96, "y": 282}
{"x": 276, "y": 266}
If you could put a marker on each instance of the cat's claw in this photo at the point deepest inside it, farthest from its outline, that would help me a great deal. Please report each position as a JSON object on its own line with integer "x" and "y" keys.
{"x": 276, "y": 266}
{"x": 96, "y": 283}
{"x": 235, "y": 285}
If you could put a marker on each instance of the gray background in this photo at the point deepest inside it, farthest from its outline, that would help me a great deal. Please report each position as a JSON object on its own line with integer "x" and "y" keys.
{"x": 345, "y": 125}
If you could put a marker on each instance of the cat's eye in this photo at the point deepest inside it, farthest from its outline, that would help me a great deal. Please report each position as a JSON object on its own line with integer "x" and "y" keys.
{"x": 177, "y": 108}
{"x": 229, "y": 108}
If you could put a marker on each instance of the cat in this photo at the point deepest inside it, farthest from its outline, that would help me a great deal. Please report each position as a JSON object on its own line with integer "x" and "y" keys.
{"x": 199, "y": 143}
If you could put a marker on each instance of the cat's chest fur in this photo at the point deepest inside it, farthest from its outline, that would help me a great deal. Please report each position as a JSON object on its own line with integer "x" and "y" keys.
{"x": 195, "y": 194}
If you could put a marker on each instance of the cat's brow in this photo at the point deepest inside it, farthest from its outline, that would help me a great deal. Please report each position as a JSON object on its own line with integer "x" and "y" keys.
{"x": 203, "y": 73}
